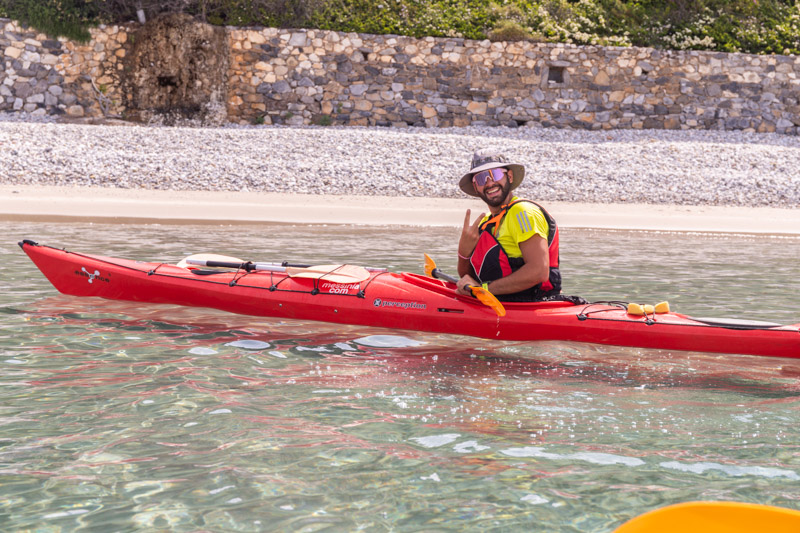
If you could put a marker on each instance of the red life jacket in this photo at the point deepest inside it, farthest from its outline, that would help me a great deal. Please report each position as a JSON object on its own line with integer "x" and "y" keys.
{"x": 490, "y": 261}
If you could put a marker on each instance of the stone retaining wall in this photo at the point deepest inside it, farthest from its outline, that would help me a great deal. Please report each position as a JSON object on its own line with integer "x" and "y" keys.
{"x": 42, "y": 75}
{"x": 321, "y": 77}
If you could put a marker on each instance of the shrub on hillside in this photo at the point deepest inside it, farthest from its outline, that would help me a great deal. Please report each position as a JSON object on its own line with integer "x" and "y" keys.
{"x": 509, "y": 30}
{"x": 756, "y": 26}
{"x": 69, "y": 18}
{"x": 416, "y": 18}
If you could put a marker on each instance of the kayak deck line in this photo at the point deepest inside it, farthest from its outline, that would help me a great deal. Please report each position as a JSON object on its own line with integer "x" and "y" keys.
{"x": 735, "y": 323}
{"x": 198, "y": 272}
{"x": 727, "y": 323}
{"x": 273, "y": 287}
{"x": 402, "y": 300}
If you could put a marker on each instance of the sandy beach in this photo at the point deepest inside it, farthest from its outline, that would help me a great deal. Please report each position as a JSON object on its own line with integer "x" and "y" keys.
{"x": 108, "y": 205}
{"x": 693, "y": 181}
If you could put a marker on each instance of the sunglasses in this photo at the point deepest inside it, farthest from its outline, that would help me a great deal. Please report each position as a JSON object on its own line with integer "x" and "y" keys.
{"x": 481, "y": 178}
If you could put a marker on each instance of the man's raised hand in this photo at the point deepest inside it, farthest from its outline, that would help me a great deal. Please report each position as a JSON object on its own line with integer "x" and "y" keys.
{"x": 469, "y": 235}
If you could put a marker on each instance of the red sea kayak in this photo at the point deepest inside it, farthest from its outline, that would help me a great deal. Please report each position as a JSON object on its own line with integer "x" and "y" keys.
{"x": 400, "y": 300}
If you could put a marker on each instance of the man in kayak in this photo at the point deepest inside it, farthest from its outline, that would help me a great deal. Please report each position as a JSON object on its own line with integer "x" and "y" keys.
{"x": 513, "y": 250}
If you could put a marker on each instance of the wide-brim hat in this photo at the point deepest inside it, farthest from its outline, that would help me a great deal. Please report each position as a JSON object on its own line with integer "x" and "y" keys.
{"x": 487, "y": 160}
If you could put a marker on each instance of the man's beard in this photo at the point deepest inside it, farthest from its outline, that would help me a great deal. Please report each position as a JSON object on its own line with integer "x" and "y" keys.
{"x": 497, "y": 202}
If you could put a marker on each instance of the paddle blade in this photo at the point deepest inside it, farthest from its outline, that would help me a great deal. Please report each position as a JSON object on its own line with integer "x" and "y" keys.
{"x": 430, "y": 266}
{"x": 714, "y": 517}
{"x": 332, "y": 273}
{"x": 432, "y": 272}
{"x": 489, "y": 299}
{"x": 208, "y": 257}
{"x": 483, "y": 296}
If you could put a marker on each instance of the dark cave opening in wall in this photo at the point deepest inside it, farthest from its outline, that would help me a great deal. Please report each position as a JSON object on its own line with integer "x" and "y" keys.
{"x": 177, "y": 70}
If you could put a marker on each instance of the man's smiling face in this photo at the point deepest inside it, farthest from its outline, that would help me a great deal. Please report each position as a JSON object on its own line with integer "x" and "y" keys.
{"x": 495, "y": 193}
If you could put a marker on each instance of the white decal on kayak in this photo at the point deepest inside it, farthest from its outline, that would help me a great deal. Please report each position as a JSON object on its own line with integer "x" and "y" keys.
{"x": 377, "y": 302}
{"x": 328, "y": 285}
{"x": 91, "y": 276}
{"x": 340, "y": 288}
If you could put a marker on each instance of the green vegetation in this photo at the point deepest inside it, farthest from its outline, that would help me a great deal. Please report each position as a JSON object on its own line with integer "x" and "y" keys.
{"x": 755, "y": 26}
{"x": 418, "y": 18}
{"x": 68, "y": 18}
{"x": 511, "y": 30}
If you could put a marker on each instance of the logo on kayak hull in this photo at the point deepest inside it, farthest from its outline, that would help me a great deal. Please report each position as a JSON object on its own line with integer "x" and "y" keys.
{"x": 92, "y": 276}
{"x": 398, "y": 304}
{"x": 340, "y": 288}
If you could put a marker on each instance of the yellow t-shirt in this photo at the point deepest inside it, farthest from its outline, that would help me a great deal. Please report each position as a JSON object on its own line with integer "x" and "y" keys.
{"x": 523, "y": 221}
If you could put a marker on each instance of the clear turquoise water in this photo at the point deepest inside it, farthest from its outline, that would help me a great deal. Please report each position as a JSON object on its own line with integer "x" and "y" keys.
{"x": 118, "y": 417}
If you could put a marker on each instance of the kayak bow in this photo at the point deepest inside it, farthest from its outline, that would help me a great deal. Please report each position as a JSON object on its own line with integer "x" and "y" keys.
{"x": 401, "y": 300}
{"x": 715, "y": 517}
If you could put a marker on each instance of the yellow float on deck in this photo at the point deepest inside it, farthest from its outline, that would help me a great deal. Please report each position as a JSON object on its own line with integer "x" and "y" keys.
{"x": 642, "y": 310}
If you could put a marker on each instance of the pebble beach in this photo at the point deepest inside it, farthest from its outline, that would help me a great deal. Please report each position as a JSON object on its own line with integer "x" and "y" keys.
{"x": 687, "y": 168}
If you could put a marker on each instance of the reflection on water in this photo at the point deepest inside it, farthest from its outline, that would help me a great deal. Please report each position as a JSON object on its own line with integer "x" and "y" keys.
{"x": 122, "y": 417}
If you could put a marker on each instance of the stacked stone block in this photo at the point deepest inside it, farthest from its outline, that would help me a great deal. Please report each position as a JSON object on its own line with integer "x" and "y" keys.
{"x": 41, "y": 75}
{"x": 300, "y": 77}
{"x": 306, "y": 77}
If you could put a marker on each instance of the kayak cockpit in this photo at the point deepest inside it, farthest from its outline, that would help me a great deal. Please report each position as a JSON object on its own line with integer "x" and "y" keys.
{"x": 444, "y": 287}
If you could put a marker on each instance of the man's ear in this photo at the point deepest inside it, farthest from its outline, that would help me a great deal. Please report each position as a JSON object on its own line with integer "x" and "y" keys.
{"x": 510, "y": 176}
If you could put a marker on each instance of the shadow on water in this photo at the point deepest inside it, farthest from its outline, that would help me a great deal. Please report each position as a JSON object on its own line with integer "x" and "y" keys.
{"x": 423, "y": 356}
{"x": 130, "y": 417}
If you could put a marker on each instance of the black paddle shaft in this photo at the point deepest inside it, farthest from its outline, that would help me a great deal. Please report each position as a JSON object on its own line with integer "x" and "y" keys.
{"x": 248, "y": 266}
{"x": 295, "y": 265}
{"x": 441, "y": 275}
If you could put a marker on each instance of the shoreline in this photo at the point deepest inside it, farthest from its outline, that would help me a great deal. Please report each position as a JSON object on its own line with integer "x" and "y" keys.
{"x": 41, "y": 203}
